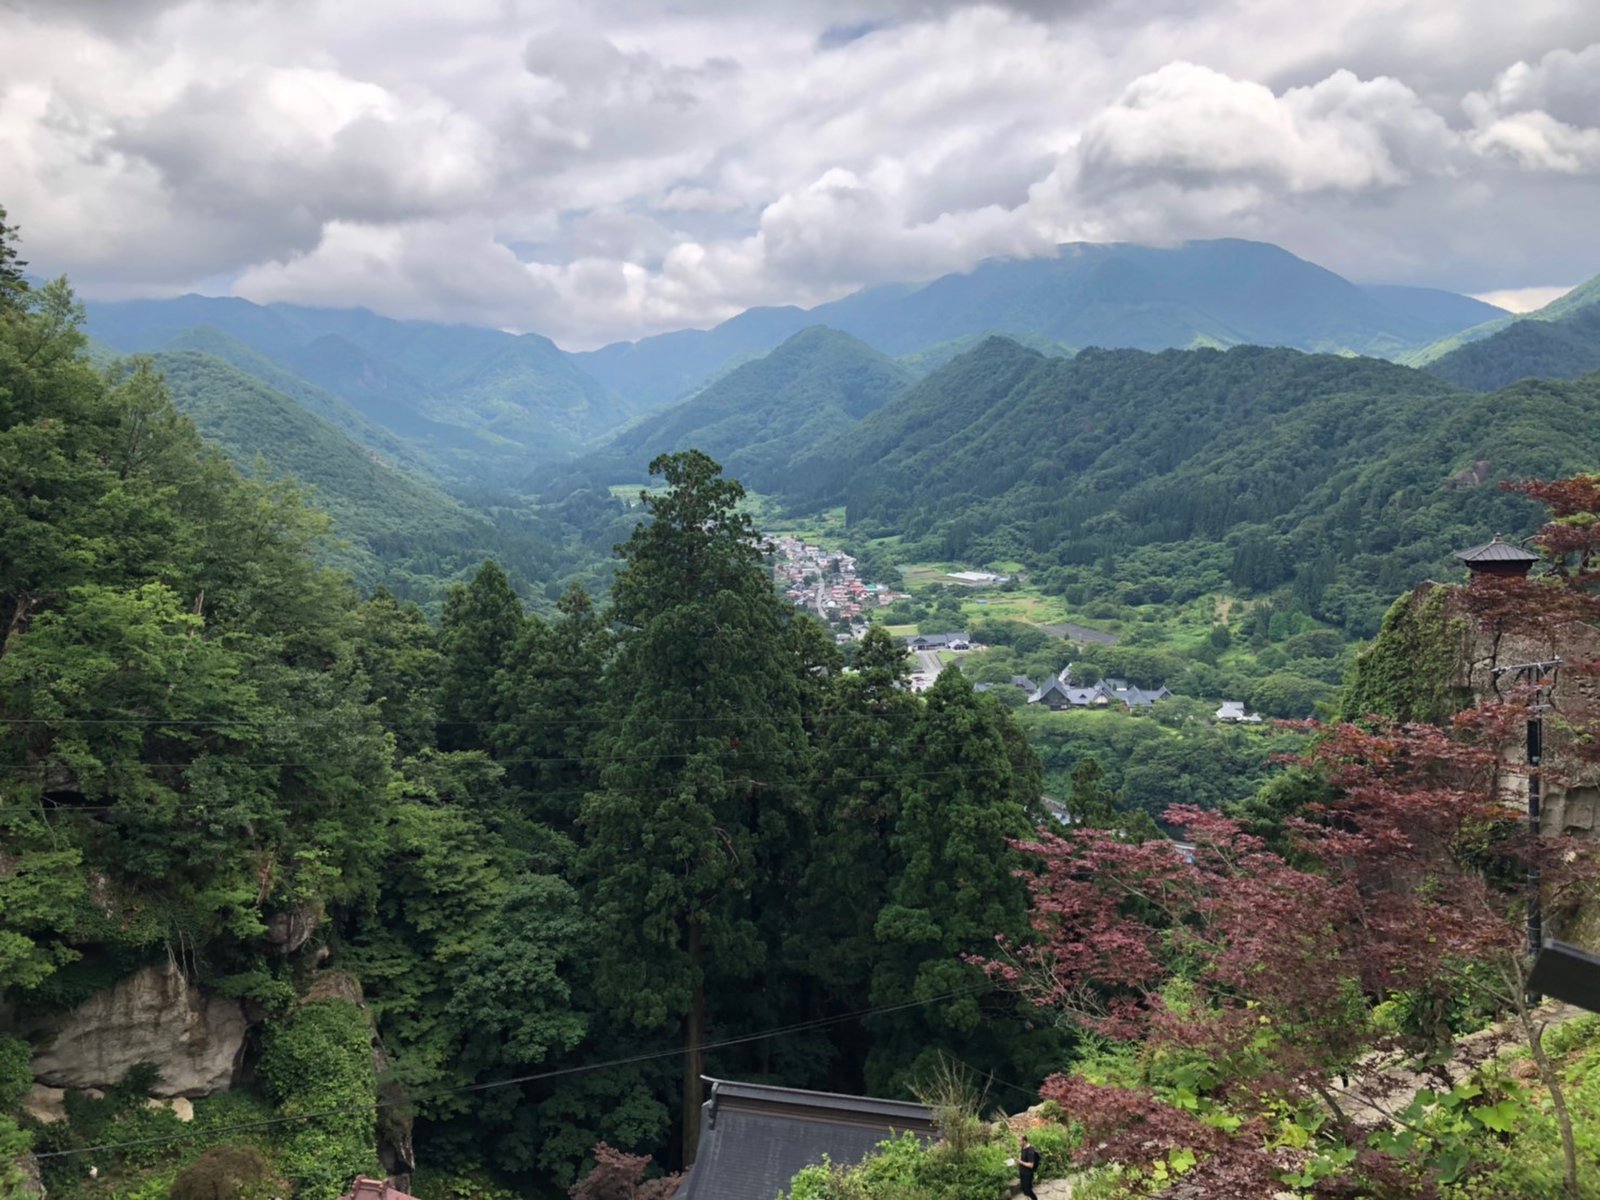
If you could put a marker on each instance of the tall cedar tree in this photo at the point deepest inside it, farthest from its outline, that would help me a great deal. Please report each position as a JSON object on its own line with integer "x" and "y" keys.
{"x": 549, "y": 694}
{"x": 975, "y": 785}
{"x": 481, "y": 623}
{"x": 696, "y": 812}
{"x": 13, "y": 284}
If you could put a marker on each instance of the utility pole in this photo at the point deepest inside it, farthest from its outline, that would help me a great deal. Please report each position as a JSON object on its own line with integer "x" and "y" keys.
{"x": 1541, "y": 675}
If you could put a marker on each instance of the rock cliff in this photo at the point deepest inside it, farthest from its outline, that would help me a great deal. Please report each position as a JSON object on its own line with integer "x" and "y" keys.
{"x": 157, "y": 1016}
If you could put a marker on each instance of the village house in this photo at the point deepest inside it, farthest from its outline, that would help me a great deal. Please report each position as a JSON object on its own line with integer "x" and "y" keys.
{"x": 938, "y": 641}
{"x": 1232, "y": 712}
{"x": 1060, "y": 693}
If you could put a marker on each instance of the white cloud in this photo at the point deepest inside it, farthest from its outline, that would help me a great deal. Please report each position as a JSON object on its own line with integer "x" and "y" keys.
{"x": 1522, "y": 300}
{"x": 630, "y": 166}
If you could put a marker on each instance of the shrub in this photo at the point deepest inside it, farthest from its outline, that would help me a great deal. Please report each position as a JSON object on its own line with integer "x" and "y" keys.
{"x": 16, "y": 1079}
{"x": 228, "y": 1172}
{"x": 318, "y": 1059}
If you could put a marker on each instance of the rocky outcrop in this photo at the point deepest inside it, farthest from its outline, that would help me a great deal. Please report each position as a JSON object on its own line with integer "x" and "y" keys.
{"x": 288, "y": 931}
{"x": 155, "y": 1016}
{"x": 46, "y": 1105}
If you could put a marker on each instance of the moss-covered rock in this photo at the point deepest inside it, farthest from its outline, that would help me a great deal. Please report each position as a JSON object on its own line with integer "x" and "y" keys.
{"x": 1415, "y": 669}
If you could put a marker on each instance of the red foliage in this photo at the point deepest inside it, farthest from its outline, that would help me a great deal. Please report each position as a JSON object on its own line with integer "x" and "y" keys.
{"x": 1415, "y": 871}
{"x": 1571, "y": 538}
{"x": 617, "y": 1175}
{"x": 1267, "y": 944}
{"x": 1125, "y": 1126}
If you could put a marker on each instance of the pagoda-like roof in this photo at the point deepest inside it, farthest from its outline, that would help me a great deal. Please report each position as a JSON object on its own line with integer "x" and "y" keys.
{"x": 1497, "y": 551}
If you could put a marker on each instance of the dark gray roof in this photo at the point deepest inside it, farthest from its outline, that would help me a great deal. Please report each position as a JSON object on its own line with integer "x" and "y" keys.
{"x": 755, "y": 1138}
{"x": 1494, "y": 550}
{"x": 935, "y": 639}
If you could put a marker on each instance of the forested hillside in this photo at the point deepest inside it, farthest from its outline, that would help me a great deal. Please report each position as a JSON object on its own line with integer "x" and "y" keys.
{"x": 393, "y": 529}
{"x": 1164, "y": 476}
{"x": 466, "y": 399}
{"x": 1561, "y": 346}
{"x": 565, "y": 863}
{"x": 760, "y": 416}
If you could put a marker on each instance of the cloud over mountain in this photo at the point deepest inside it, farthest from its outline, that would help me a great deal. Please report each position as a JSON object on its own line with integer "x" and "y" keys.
{"x": 627, "y": 166}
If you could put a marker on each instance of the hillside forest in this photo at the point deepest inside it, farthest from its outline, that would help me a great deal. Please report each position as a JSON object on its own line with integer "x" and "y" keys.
{"x": 495, "y": 813}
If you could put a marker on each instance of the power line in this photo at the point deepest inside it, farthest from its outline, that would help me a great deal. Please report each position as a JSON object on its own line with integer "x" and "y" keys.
{"x": 226, "y": 760}
{"x": 272, "y": 722}
{"x": 190, "y": 804}
{"x": 560, "y": 1072}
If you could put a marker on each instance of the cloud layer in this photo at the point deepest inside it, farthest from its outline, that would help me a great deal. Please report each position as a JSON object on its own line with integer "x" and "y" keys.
{"x": 623, "y": 167}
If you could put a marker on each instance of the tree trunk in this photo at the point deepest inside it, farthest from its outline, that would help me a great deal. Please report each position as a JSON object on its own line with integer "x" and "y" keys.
{"x": 1558, "y": 1099}
{"x": 19, "y": 621}
{"x": 694, "y": 1041}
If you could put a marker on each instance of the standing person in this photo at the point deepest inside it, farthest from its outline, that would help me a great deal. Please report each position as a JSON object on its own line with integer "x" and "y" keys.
{"x": 1027, "y": 1164}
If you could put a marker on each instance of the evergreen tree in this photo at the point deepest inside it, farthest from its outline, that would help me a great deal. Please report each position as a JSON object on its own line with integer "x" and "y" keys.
{"x": 696, "y": 810}
{"x": 863, "y": 740}
{"x": 969, "y": 787}
{"x": 481, "y": 623}
{"x": 549, "y": 695}
{"x": 396, "y": 650}
{"x": 13, "y": 285}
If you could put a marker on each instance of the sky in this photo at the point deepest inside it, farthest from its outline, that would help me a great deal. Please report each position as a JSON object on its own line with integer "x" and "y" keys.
{"x": 614, "y": 168}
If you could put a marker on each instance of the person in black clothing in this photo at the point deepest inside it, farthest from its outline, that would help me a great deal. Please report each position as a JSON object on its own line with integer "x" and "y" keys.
{"x": 1027, "y": 1164}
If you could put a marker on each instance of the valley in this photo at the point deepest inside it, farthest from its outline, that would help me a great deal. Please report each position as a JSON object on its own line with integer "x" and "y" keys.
{"x": 581, "y": 729}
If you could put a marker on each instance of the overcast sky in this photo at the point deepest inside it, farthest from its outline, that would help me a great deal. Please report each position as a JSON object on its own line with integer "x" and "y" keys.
{"x": 613, "y": 168}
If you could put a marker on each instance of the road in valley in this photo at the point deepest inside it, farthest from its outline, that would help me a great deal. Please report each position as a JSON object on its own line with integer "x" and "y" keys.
{"x": 927, "y": 670}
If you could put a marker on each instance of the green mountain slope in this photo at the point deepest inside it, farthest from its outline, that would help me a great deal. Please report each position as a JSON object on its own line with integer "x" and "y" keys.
{"x": 1579, "y": 299}
{"x": 471, "y": 402}
{"x": 756, "y": 419}
{"x": 206, "y": 339}
{"x": 1218, "y": 293}
{"x": 1184, "y": 472}
{"x": 1563, "y": 348}
{"x": 399, "y": 530}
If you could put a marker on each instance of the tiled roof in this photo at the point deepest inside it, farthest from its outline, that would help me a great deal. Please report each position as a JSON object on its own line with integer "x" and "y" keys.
{"x": 755, "y": 1138}
{"x": 1494, "y": 550}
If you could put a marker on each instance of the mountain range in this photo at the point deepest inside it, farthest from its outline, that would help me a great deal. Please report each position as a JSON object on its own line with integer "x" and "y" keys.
{"x": 756, "y": 419}
{"x": 1215, "y": 293}
{"x": 1165, "y": 476}
{"x": 1253, "y": 467}
{"x": 470, "y": 403}
{"x": 466, "y": 399}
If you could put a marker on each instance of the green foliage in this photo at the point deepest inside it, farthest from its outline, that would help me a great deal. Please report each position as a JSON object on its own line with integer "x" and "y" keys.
{"x": 1411, "y": 671}
{"x": 904, "y": 1168}
{"x": 1327, "y": 483}
{"x": 432, "y": 1184}
{"x": 15, "y": 1078}
{"x": 167, "y": 637}
{"x": 481, "y": 619}
{"x": 759, "y": 416}
{"x": 13, "y": 283}
{"x": 316, "y": 1063}
{"x": 14, "y": 1142}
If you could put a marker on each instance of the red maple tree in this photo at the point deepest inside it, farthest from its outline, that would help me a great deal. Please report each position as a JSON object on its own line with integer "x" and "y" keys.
{"x": 1412, "y": 878}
